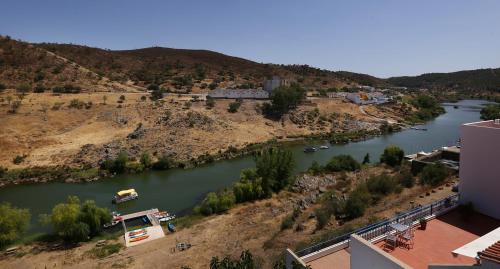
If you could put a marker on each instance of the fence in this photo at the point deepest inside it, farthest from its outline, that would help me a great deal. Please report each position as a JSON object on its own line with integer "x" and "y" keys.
{"x": 378, "y": 229}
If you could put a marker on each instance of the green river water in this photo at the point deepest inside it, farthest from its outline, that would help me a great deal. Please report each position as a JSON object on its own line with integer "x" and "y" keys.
{"x": 178, "y": 190}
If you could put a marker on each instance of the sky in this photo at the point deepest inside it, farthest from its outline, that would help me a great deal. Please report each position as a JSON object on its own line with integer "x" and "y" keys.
{"x": 381, "y": 38}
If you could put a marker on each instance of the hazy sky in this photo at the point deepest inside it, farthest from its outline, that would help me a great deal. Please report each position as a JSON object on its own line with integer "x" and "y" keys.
{"x": 382, "y": 38}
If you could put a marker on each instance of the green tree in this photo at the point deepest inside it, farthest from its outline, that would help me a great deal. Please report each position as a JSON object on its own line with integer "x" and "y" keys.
{"x": 392, "y": 156}
{"x": 357, "y": 202}
{"x": 342, "y": 163}
{"x": 283, "y": 99}
{"x": 275, "y": 167}
{"x": 13, "y": 223}
{"x": 74, "y": 222}
{"x": 249, "y": 187}
{"x": 163, "y": 163}
{"x": 490, "y": 112}
{"x": 433, "y": 174}
{"x": 315, "y": 168}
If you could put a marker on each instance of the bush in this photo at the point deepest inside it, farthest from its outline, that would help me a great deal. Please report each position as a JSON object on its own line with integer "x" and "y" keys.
{"x": 287, "y": 222}
{"x": 322, "y": 218}
{"x": 19, "y": 159}
{"x": 342, "y": 163}
{"x": 68, "y": 88}
{"x": 13, "y": 223}
{"x": 381, "y": 185}
{"x": 244, "y": 262}
{"x": 2, "y": 87}
{"x": 357, "y": 202}
{"x": 433, "y": 174}
{"x": 392, "y": 156}
{"x": 366, "y": 159}
{"x": 75, "y": 103}
{"x": 117, "y": 165}
{"x": 210, "y": 103}
{"x": 76, "y": 222}
{"x": 39, "y": 89}
{"x": 163, "y": 163}
{"x": 146, "y": 160}
{"x": 315, "y": 168}
{"x": 23, "y": 88}
{"x": 234, "y": 106}
{"x": 490, "y": 112}
{"x": 406, "y": 179}
{"x": 215, "y": 203}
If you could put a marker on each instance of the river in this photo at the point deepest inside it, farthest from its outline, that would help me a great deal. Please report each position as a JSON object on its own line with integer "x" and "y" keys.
{"x": 178, "y": 190}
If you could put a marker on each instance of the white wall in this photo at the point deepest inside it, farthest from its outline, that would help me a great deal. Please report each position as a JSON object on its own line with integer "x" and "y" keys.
{"x": 366, "y": 255}
{"x": 480, "y": 168}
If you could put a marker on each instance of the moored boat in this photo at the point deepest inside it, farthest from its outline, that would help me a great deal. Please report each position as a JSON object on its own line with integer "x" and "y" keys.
{"x": 139, "y": 238}
{"x": 310, "y": 149}
{"x": 324, "y": 147}
{"x": 125, "y": 195}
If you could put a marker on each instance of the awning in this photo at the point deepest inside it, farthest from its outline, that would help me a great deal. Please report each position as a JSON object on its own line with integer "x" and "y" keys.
{"x": 472, "y": 248}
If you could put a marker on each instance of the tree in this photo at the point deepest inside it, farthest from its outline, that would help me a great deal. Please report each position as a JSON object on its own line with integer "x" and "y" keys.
{"x": 23, "y": 88}
{"x": 392, "y": 156}
{"x": 342, "y": 163}
{"x": 249, "y": 187}
{"x": 13, "y": 223}
{"x": 74, "y": 222}
{"x": 433, "y": 174}
{"x": 104, "y": 98}
{"x": 357, "y": 202}
{"x": 117, "y": 165}
{"x": 275, "y": 167}
{"x": 366, "y": 159}
{"x": 283, "y": 99}
{"x": 490, "y": 112}
{"x": 315, "y": 168}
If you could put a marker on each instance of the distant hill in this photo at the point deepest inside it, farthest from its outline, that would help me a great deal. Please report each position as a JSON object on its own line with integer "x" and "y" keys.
{"x": 94, "y": 69}
{"x": 480, "y": 79}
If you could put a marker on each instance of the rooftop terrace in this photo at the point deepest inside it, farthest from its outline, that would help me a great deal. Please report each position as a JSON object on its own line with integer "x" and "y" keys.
{"x": 443, "y": 235}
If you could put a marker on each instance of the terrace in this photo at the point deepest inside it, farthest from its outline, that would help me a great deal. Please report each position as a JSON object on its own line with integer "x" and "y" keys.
{"x": 446, "y": 231}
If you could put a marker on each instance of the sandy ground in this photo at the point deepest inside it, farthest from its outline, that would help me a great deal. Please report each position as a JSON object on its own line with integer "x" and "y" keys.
{"x": 49, "y": 136}
{"x": 254, "y": 226}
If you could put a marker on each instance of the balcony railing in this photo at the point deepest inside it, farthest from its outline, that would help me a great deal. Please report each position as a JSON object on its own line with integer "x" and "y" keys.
{"x": 381, "y": 228}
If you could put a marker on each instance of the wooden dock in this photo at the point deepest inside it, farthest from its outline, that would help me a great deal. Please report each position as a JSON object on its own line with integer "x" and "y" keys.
{"x": 154, "y": 232}
{"x": 140, "y": 214}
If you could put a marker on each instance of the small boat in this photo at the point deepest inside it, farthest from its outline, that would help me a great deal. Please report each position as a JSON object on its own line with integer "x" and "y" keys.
{"x": 125, "y": 195}
{"x": 455, "y": 107}
{"x": 134, "y": 232}
{"x": 161, "y": 214}
{"x": 310, "y": 149}
{"x": 171, "y": 227}
{"x": 167, "y": 218}
{"x": 138, "y": 235}
{"x": 113, "y": 222}
{"x": 139, "y": 238}
{"x": 324, "y": 147}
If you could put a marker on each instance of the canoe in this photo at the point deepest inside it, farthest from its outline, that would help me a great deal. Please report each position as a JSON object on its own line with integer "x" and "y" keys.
{"x": 137, "y": 235}
{"x": 139, "y": 238}
{"x": 136, "y": 232}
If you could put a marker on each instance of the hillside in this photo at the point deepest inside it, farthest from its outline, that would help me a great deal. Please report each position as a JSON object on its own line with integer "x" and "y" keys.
{"x": 473, "y": 80}
{"x": 29, "y": 65}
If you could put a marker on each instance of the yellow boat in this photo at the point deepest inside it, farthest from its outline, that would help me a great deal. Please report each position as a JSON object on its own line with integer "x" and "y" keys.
{"x": 125, "y": 195}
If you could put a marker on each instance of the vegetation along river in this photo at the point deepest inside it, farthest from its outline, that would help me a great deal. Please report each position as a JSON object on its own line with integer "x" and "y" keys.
{"x": 178, "y": 190}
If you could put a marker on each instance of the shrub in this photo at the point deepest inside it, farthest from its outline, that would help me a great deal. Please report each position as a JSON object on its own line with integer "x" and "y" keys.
{"x": 23, "y": 88}
{"x": 39, "y": 89}
{"x": 392, "y": 156}
{"x": 146, "y": 160}
{"x": 342, "y": 163}
{"x": 2, "y": 87}
{"x": 366, "y": 159}
{"x": 215, "y": 203}
{"x": 357, "y": 202}
{"x": 163, "y": 163}
{"x": 210, "y": 103}
{"x": 19, "y": 159}
{"x": 287, "y": 222}
{"x": 76, "y": 103}
{"x": 433, "y": 174}
{"x": 14, "y": 106}
{"x": 68, "y": 88}
{"x": 13, "y": 223}
{"x": 322, "y": 218}
{"x": 234, "y": 106}
{"x": 117, "y": 165}
{"x": 490, "y": 112}
{"x": 315, "y": 168}
{"x": 105, "y": 251}
{"x": 381, "y": 185}
{"x": 406, "y": 179}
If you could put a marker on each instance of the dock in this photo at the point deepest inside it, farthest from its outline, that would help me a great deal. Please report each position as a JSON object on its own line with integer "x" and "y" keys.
{"x": 154, "y": 231}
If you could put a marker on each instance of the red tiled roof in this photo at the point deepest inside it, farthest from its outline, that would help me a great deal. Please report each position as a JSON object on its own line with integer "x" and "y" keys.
{"x": 492, "y": 253}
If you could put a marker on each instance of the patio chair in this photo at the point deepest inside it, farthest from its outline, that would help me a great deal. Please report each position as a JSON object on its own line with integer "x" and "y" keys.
{"x": 391, "y": 241}
{"x": 406, "y": 238}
